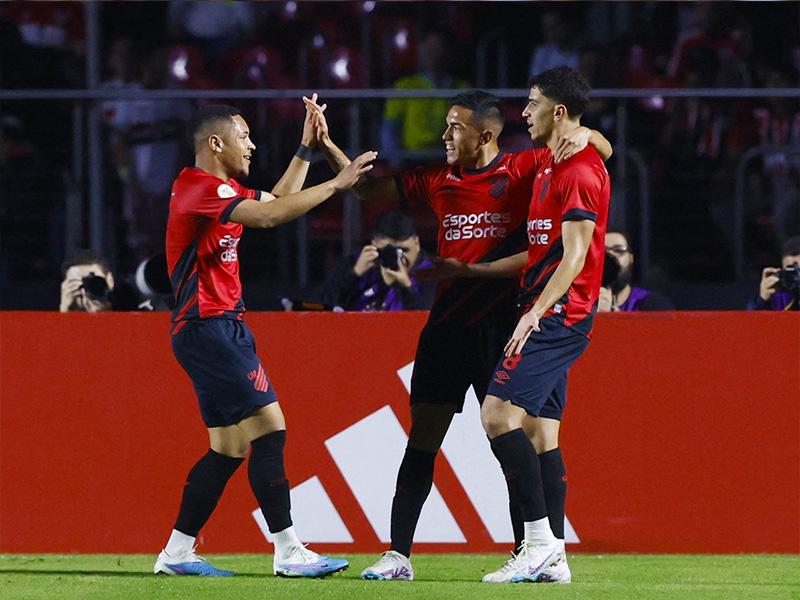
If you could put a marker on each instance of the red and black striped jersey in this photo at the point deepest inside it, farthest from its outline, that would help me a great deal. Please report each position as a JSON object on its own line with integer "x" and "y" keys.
{"x": 481, "y": 216}
{"x": 578, "y": 188}
{"x": 202, "y": 257}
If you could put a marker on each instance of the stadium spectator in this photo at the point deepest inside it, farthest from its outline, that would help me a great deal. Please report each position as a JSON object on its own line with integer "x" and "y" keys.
{"x": 774, "y": 191}
{"x": 558, "y": 47}
{"x": 619, "y": 294}
{"x": 480, "y": 197}
{"x": 779, "y": 285}
{"x": 208, "y": 212}
{"x": 147, "y": 149}
{"x": 380, "y": 277}
{"x": 213, "y": 28}
{"x": 413, "y": 123}
{"x": 87, "y": 283}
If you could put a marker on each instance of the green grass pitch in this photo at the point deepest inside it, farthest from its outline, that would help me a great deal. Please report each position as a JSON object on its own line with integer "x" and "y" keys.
{"x": 457, "y": 576}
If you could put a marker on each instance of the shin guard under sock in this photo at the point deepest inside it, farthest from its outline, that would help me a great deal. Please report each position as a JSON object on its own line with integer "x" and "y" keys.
{"x": 520, "y": 466}
{"x": 268, "y": 479}
{"x": 414, "y": 481}
{"x": 204, "y": 486}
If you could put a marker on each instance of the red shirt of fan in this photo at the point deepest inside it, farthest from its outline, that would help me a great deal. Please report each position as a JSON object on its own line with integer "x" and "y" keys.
{"x": 578, "y": 188}
{"x": 202, "y": 257}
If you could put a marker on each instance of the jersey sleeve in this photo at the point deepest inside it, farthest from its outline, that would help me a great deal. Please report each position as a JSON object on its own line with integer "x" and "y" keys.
{"x": 218, "y": 201}
{"x": 527, "y": 163}
{"x": 416, "y": 185}
{"x": 579, "y": 190}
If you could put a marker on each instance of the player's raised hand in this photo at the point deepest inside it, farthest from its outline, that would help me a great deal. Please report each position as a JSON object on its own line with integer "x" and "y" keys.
{"x": 317, "y": 115}
{"x": 348, "y": 176}
{"x": 527, "y": 325}
{"x": 571, "y": 143}
{"x": 443, "y": 268}
{"x": 310, "y": 123}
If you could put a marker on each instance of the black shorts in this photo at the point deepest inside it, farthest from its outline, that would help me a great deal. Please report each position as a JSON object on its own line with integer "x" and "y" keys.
{"x": 536, "y": 379}
{"x": 450, "y": 358}
{"x": 219, "y": 355}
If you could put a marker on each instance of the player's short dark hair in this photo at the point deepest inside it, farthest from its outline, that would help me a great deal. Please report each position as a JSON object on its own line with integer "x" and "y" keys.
{"x": 205, "y": 116}
{"x": 791, "y": 247}
{"x": 84, "y": 257}
{"x": 394, "y": 224}
{"x": 484, "y": 106}
{"x": 564, "y": 86}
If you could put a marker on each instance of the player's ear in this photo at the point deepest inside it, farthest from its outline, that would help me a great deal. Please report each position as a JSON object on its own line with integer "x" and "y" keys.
{"x": 487, "y": 135}
{"x": 215, "y": 143}
{"x": 560, "y": 112}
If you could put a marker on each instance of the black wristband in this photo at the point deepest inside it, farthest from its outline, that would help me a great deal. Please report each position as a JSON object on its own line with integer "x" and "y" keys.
{"x": 304, "y": 153}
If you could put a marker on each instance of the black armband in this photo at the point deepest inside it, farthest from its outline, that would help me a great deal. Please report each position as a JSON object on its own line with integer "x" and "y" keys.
{"x": 304, "y": 153}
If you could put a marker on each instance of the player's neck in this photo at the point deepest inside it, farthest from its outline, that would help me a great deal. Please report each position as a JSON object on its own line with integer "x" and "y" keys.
{"x": 485, "y": 157}
{"x": 561, "y": 128}
{"x": 211, "y": 166}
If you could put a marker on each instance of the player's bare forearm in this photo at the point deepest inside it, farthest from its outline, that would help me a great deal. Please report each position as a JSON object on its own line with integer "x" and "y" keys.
{"x": 335, "y": 156}
{"x": 576, "y": 237}
{"x": 509, "y": 267}
{"x": 293, "y": 178}
{"x": 599, "y": 142}
{"x": 265, "y": 215}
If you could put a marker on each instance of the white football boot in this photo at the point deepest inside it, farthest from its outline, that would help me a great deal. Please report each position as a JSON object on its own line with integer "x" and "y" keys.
{"x": 527, "y": 564}
{"x": 302, "y": 562}
{"x": 391, "y": 566}
{"x": 559, "y": 572}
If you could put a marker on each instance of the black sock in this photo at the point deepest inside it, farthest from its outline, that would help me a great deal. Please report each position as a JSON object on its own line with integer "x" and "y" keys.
{"x": 521, "y": 469}
{"x": 204, "y": 486}
{"x": 517, "y": 524}
{"x": 414, "y": 481}
{"x": 554, "y": 483}
{"x": 268, "y": 479}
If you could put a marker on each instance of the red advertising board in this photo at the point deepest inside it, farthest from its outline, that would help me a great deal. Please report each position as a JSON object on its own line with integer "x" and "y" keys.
{"x": 681, "y": 435}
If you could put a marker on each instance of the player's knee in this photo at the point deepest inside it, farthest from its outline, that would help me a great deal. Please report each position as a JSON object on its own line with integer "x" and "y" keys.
{"x": 232, "y": 449}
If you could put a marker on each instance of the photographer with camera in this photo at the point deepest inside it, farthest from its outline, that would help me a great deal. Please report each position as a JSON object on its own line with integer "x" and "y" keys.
{"x": 380, "y": 278}
{"x": 780, "y": 287}
{"x": 87, "y": 283}
{"x": 617, "y": 293}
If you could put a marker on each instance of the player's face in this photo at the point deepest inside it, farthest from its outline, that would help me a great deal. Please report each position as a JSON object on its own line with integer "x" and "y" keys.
{"x": 540, "y": 116}
{"x": 237, "y": 149}
{"x": 462, "y": 138}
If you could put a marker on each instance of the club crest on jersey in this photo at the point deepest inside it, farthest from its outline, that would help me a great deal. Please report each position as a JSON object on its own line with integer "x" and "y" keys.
{"x": 225, "y": 191}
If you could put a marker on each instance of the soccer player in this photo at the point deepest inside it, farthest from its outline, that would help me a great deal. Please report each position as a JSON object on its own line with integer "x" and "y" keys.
{"x": 481, "y": 197}
{"x": 208, "y": 211}
{"x": 566, "y": 229}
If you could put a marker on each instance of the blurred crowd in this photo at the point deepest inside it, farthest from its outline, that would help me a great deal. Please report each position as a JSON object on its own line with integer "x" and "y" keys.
{"x": 690, "y": 149}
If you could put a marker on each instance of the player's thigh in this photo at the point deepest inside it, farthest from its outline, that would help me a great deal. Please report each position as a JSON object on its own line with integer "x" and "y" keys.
{"x": 429, "y": 424}
{"x": 442, "y": 371}
{"x": 229, "y": 441}
{"x": 263, "y": 421}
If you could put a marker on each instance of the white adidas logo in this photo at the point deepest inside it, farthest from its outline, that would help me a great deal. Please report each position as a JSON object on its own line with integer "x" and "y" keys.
{"x": 362, "y": 452}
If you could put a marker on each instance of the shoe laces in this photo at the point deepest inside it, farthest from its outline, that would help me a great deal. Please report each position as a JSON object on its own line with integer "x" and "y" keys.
{"x": 303, "y": 554}
{"x": 390, "y": 558}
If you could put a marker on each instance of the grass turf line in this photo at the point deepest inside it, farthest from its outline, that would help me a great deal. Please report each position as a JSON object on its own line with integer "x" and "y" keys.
{"x": 457, "y": 576}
